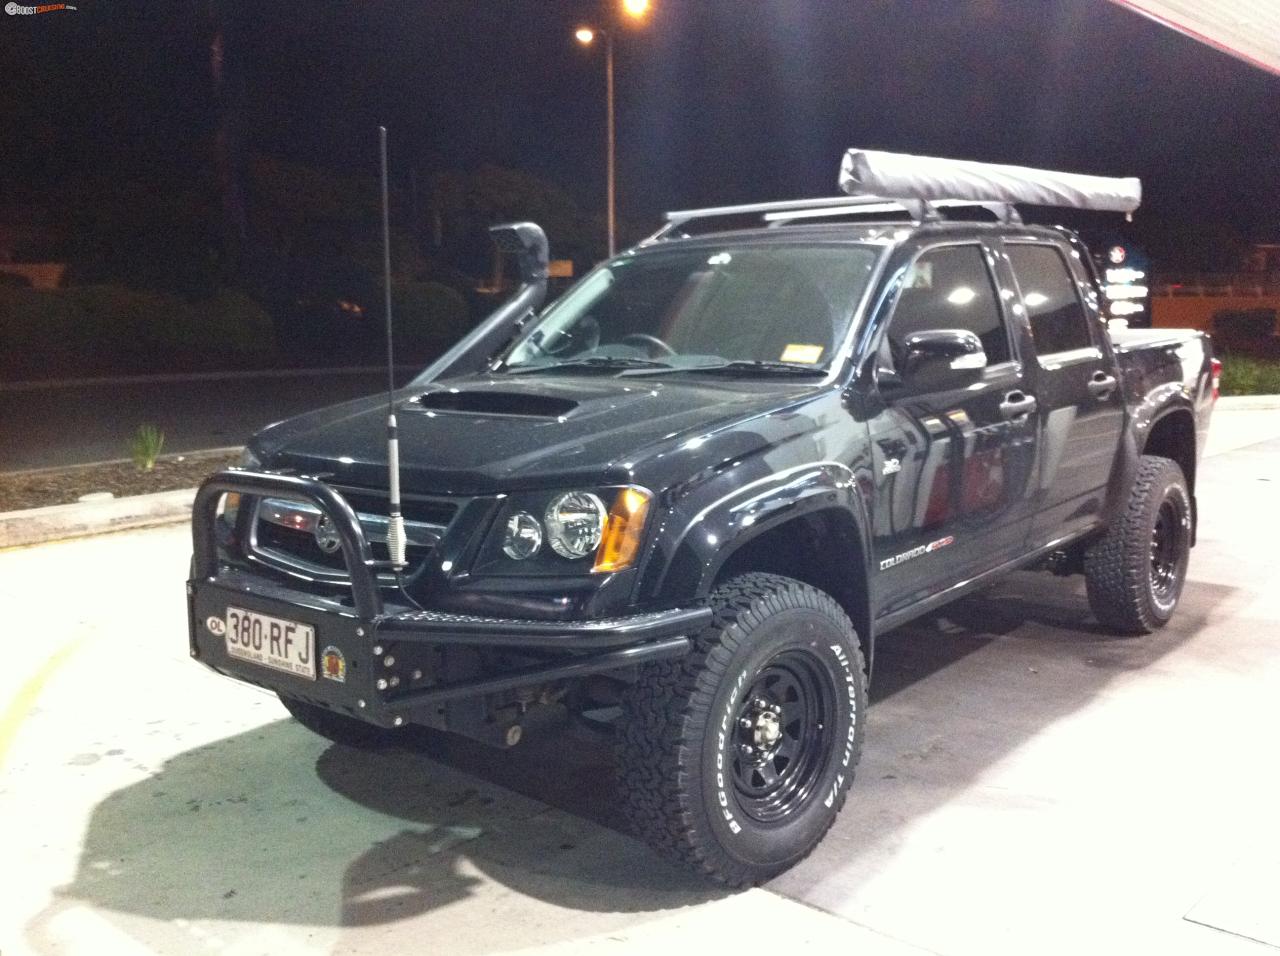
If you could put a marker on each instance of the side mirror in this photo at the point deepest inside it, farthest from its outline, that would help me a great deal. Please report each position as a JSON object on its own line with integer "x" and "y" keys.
{"x": 942, "y": 358}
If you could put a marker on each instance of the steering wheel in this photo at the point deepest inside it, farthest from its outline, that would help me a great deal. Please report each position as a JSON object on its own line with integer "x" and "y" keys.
{"x": 650, "y": 340}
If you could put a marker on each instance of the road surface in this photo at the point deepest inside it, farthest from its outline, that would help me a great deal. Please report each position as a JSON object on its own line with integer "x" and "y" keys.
{"x": 74, "y": 424}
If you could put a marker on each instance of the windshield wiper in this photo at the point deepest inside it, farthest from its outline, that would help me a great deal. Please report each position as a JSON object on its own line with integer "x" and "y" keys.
{"x": 594, "y": 361}
{"x": 758, "y": 366}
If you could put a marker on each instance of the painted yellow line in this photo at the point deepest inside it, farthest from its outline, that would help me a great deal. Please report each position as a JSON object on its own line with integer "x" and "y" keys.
{"x": 20, "y": 707}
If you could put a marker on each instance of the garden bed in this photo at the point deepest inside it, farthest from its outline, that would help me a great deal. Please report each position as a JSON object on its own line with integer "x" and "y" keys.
{"x": 1244, "y": 375}
{"x": 60, "y": 486}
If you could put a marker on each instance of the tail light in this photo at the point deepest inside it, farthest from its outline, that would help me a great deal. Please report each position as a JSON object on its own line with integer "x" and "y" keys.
{"x": 1215, "y": 372}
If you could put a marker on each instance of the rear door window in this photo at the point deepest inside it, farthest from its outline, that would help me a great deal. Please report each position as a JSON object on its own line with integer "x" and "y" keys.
{"x": 1058, "y": 320}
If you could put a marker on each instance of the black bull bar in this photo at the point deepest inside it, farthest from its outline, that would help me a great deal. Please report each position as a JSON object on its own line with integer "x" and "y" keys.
{"x": 377, "y": 634}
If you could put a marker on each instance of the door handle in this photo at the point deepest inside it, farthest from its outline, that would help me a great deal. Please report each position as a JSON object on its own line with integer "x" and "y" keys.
{"x": 1102, "y": 384}
{"x": 1016, "y": 404}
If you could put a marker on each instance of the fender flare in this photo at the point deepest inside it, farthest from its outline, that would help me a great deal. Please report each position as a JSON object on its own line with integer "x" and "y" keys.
{"x": 1163, "y": 402}
{"x": 719, "y": 528}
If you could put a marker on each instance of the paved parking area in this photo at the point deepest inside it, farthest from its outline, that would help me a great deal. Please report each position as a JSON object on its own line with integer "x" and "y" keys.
{"x": 1030, "y": 785}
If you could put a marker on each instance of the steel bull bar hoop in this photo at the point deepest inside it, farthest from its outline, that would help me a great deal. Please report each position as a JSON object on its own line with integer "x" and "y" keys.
{"x": 384, "y": 693}
{"x": 355, "y": 549}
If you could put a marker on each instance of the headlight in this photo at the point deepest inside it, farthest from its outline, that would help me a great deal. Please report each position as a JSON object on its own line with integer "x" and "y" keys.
{"x": 564, "y": 533}
{"x": 575, "y": 523}
{"x": 523, "y": 536}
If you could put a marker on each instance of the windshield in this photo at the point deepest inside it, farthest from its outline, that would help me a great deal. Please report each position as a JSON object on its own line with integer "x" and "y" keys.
{"x": 771, "y": 308}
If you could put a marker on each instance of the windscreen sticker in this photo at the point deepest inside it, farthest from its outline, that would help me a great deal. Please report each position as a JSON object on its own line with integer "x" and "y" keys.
{"x": 806, "y": 354}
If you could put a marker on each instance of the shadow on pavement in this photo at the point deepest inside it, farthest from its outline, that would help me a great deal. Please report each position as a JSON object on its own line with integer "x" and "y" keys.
{"x": 274, "y": 825}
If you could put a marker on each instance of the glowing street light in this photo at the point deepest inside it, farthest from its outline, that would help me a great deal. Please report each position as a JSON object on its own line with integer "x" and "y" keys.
{"x": 586, "y": 35}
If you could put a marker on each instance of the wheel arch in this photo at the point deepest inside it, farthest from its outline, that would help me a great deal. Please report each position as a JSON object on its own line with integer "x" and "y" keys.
{"x": 1172, "y": 435}
{"x": 822, "y": 548}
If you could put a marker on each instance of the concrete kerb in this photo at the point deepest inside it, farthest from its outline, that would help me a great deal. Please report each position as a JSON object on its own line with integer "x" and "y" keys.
{"x": 1247, "y": 403}
{"x": 38, "y": 525}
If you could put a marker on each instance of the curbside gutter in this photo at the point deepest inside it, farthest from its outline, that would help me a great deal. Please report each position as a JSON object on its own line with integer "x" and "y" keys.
{"x": 39, "y": 525}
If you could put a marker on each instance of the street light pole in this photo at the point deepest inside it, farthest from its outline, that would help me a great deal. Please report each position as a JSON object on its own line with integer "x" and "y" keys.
{"x": 635, "y": 10}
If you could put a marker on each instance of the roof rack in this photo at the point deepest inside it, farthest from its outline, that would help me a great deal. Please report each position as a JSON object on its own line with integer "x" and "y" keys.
{"x": 784, "y": 212}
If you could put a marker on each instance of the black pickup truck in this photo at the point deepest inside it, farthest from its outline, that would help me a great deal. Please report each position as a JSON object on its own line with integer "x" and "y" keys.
{"x": 690, "y": 494}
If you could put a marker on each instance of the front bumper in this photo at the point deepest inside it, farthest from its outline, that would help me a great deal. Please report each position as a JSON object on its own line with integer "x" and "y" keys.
{"x": 398, "y": 667}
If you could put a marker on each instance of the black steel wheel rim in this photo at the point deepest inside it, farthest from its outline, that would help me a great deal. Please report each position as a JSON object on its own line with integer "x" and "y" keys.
{"x": 1168, "y": 548}
{"x": 784, "y": 723}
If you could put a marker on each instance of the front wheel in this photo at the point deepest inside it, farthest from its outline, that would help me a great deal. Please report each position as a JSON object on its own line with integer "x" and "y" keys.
{"x": 736, "y": 759}
{"x": 1135, "y": 572}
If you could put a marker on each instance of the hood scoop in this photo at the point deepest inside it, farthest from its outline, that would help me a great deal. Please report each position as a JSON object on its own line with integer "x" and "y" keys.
{"x": 521, "y": 404}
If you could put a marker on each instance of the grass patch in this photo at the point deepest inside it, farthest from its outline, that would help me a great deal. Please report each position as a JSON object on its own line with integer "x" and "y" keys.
{"x": 1250, "y": 376}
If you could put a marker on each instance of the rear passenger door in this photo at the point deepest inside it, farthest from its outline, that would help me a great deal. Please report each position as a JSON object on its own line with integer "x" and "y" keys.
{"x": 1081, "y": 406}
{"x": 953, "y": 465}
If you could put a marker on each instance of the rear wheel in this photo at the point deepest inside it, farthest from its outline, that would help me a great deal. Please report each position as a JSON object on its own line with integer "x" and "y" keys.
{"x": 736, "y": 759}
{"x": 339, "y": 728}
{"x": 1136, "y": 571}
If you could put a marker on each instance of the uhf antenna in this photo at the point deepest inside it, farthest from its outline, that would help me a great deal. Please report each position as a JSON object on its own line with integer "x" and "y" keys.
{"x": 395, "y": 524}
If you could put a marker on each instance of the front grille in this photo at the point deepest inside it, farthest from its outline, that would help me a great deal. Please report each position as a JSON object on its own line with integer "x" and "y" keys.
{"x": 285, "y": 534}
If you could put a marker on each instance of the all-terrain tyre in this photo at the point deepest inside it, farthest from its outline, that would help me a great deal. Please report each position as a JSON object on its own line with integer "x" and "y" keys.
{"x": 1135, "y": 572}
{"x": 736, "y": 759}
{"x": 339, "y": 728}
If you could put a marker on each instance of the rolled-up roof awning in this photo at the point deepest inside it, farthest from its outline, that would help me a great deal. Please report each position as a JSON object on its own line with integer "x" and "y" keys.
{"x": 1246, "y": 29}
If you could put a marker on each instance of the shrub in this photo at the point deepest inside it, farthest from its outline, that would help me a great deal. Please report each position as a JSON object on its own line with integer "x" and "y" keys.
{"x": 230, "y": 321}
{"x": 1249, "y": 376}
{"x": 428, "y": 314}
{"x": 37, "y": 327}
{"x": 102, "y": 327}
{"x": 124, "y": 321}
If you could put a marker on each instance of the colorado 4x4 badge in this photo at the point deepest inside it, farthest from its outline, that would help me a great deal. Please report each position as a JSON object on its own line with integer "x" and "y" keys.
{"x": 897, "y": 559}
{"x": 333, "y": 665}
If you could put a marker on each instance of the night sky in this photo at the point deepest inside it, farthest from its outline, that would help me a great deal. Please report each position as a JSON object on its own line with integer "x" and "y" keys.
{"x": 719, "y": 100}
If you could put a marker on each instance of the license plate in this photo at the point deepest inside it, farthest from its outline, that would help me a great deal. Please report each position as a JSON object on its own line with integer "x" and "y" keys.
{"x": 272, "y": 642}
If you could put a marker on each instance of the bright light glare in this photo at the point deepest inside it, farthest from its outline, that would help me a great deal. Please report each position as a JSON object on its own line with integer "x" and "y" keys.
{"x": 1125, "y": 275}
{"x": 1126, "y": 291}
{"x": 720, "y": 259}
{"x": 1125, "y": 308}
{"x": 961, "y": 295}
{"x": 1036, "y": 299}
{"x": 635, "y": 8}
{"x": 584, "y": 35}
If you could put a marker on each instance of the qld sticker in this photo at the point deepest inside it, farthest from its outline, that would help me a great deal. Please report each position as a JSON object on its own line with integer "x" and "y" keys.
{"x": 333, "y": 666}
